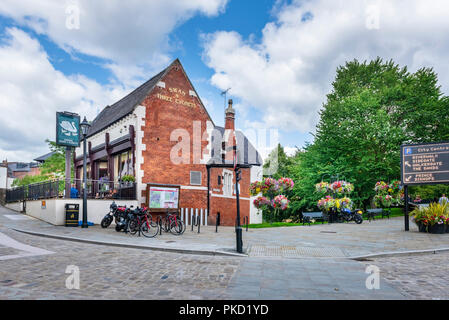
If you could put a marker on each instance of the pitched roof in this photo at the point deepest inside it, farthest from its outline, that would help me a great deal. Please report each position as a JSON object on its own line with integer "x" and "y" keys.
{"x": 125, "y": 106}
{"x": 45, "y": 157}
{"x": 250, "y": 156}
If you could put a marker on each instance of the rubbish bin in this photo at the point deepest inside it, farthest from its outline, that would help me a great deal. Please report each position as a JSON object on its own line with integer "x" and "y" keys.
{"x": 72, "y": 212}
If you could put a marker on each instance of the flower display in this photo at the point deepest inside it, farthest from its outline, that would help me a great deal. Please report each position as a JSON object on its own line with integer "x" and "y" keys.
{"x": 261, "y": 202}
{"x": 326, "y": 203}
{"x": 322, "y": 187}
{"x": 270, "y": 198}
{"x": 381, "y": 187}
{"x": 280, "y": 202}
{"x": 286, "y": 184}
{"x": 342, "y": 187}
{"x": 388, "y": 195}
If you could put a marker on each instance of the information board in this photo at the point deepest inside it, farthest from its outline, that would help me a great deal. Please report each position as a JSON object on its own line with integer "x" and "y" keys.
{"x": 67, "y": 129}
{"x": 163, "y": 197}
{"x": 425, "y": 163}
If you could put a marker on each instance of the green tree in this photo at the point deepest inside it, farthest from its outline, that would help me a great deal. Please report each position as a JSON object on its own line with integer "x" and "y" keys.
{"x": 374, "y": 107}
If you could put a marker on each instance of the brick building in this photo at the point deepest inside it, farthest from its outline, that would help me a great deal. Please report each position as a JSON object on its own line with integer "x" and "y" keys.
{"x": 162, "y": 134}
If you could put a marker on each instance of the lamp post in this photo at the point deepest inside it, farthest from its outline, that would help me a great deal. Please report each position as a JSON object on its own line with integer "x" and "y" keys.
{"x": 84, "y": 129}
{"x": 238, "y": 228}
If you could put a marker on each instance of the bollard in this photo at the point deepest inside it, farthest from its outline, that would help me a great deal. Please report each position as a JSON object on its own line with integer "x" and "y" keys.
{"x": 247, "y": 222}
{"x": 198, "y": 221}
{"x": 159, "y": 221}
{"x": 217, "y": 222}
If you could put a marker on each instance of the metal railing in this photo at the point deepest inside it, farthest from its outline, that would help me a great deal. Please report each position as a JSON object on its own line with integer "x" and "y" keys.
{"x": 96, "y": 189}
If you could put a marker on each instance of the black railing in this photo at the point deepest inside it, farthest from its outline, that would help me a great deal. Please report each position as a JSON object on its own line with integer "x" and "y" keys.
{"x": 96, "y": 189}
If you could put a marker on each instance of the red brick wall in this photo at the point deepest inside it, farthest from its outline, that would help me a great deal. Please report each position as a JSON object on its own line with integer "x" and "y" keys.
{"x": 162, "y": 118}
{"x": 228, "y": 206}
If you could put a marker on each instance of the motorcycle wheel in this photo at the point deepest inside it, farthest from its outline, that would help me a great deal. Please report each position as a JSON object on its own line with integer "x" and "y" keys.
{"x": 358, "y": 219}
{"x": 106, "y": 222}
{"x": 118, "y": 228}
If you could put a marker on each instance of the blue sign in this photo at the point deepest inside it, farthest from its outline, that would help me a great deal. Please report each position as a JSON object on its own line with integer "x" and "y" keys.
{"x": 67, "y": 129}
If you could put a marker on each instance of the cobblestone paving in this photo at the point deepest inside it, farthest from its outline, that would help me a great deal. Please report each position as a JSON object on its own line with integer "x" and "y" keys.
{"x": 112, "y": 273}
{"x": 422, "y": 277}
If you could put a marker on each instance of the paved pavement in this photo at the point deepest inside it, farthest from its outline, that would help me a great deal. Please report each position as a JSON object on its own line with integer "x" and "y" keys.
{"x": 285, "y": 263}
{"x": 317, "y": 241}
{"x": 418, "y": 276}
{"x": 125, "y": 273}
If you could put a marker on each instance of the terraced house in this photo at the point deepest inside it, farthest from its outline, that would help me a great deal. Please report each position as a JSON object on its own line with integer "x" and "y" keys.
{"x": 162, "y": 134}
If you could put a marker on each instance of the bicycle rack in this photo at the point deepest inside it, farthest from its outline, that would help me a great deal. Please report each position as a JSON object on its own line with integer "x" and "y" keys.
{"x": 217, "y": 222}
{"x": 196, "y": 222}
{"x": 159, "y": 222}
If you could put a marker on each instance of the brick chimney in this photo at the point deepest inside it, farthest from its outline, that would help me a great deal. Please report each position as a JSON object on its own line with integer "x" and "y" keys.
{"x": 229, "y": 137}
{"x": 230, "y": 117}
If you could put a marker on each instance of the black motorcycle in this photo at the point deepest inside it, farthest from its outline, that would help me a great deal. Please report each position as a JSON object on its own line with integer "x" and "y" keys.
{"x": 114, "y": 212}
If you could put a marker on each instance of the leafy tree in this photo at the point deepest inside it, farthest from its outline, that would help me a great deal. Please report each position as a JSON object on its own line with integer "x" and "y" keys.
{"x": 374, "y": 107}
{"x": 52, "y": 168}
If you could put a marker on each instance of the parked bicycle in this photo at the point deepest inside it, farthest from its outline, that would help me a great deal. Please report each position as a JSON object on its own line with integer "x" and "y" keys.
{"x": 141, "y": 221}
{"x": 173, "y": 224}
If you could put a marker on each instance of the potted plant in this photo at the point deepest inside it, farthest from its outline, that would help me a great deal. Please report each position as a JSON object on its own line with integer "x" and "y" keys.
{"x": 128, "y": 179}
{"x": 432, "y": 219}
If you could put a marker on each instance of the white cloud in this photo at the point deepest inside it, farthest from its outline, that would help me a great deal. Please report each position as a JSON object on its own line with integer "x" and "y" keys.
{"x": 132, "y": 34}
{"x": 31, "y": 92}
{"x": 287, "y": 75}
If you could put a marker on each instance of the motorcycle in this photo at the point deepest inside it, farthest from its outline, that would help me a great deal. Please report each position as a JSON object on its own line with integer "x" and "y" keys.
{"x": 348, "y": 215}
{"x": 114, "y": 212}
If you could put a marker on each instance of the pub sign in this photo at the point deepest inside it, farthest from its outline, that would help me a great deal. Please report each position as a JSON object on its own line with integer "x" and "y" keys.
{"x": 67, "y": 129}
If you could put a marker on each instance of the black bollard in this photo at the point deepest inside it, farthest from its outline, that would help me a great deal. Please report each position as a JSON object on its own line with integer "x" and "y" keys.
{"x": 217, "y": 222}
{"x": 199, "y": 223}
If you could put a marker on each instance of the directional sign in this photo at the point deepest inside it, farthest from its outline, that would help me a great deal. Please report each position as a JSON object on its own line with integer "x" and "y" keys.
{"x": 67, "y": 129}
{"x": 425, "y": 164}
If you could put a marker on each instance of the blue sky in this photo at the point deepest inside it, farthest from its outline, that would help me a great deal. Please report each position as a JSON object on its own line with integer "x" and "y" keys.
{"x": 279, "y": 57}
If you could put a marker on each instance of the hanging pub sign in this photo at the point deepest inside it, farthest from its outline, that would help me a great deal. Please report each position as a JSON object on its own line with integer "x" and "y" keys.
{"x": 425, "y": 163}
{"x": 67, "y": 129}
{"x": 163, "y": 198}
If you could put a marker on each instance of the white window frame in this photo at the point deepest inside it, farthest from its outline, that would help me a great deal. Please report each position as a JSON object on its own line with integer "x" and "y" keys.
{"x": 228, "y": 177}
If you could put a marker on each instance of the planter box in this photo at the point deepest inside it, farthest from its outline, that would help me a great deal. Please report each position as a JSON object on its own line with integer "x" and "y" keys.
{"x": 438, "y": 229}
{"x": 447, "y": 228}
{"x": 421, "y": 227}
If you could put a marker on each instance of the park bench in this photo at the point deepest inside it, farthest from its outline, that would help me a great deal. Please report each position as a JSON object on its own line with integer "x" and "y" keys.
{"x": 372, "y": 213}
{"x": 308, "y": 216}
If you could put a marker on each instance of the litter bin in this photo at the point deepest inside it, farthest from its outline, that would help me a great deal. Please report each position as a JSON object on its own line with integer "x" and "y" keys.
{"x": 72, "y": 212}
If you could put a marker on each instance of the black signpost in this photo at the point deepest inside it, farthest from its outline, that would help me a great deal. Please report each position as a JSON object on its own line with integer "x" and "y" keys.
{"x": 423, "y": 164}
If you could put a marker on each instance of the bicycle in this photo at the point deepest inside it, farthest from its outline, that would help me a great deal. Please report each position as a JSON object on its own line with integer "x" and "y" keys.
{"x": 142, "y": 221}
{"x": 172, "y": 223}
{"x": 148, "y": 228}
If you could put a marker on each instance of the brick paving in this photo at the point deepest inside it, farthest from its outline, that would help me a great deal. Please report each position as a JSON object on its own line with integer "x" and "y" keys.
{"x": 290, "y": 264}
{"x": 421, "y": 277}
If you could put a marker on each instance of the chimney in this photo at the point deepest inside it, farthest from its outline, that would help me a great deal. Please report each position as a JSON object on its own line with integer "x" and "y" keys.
{"x": 230, "y": 117}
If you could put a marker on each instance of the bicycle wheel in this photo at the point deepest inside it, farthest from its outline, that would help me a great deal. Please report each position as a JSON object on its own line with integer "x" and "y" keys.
{"x": 176, "y": 228}
{"x": 133, "y": 226}
{"x": 149, "y": 228}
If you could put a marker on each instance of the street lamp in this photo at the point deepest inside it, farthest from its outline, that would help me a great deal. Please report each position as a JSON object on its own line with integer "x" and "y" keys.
{"x": 84, "y": 129}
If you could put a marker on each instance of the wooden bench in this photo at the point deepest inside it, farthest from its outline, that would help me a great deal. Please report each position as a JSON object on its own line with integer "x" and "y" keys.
{"x": 308, "y": 216}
